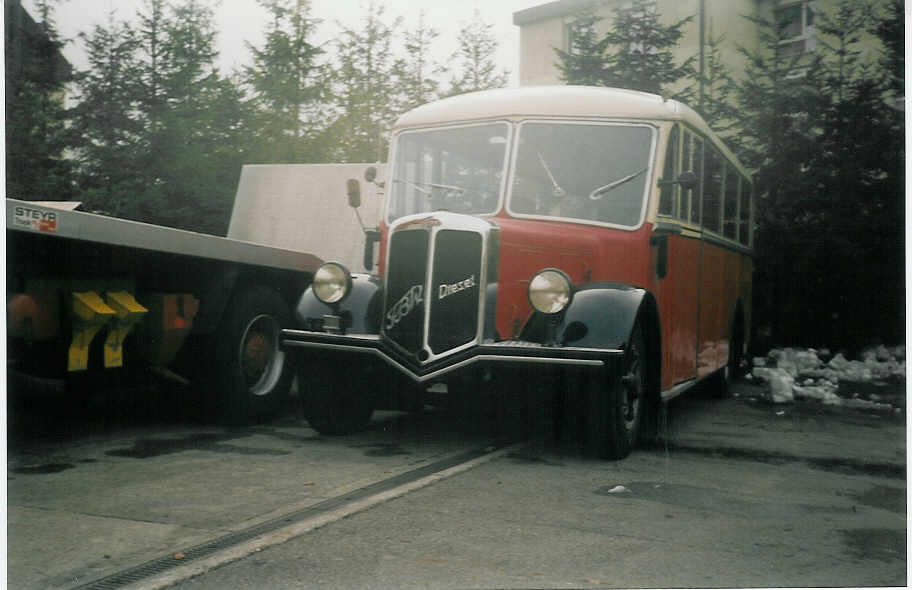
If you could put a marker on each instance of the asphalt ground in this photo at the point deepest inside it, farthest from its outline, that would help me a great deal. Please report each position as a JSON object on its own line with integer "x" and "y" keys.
{"x": 737, "y": 493}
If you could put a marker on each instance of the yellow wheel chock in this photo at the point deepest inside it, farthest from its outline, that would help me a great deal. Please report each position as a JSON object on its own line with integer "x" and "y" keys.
{"x": 90, "y": 314}
{"x": 128, "y": 312}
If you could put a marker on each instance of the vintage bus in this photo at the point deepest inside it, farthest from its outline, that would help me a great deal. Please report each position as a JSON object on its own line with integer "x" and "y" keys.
{"x": 599, "y": 239}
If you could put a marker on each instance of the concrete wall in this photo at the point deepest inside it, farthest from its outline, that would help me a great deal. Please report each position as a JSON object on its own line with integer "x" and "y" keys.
{"x": 304, "y": 207}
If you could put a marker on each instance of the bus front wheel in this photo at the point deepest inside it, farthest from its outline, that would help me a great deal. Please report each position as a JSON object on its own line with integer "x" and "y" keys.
{"x": 615, "y": 416}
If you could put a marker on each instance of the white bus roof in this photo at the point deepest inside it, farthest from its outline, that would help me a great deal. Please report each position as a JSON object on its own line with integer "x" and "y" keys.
{"x": 572, "y": 102}
{"x": 548, "y": 101}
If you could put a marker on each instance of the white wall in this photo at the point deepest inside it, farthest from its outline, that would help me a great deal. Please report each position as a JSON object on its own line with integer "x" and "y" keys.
{"x": 304, "y": 207}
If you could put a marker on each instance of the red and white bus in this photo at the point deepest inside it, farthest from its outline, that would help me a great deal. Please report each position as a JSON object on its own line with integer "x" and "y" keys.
{"x": 600, "y": 239}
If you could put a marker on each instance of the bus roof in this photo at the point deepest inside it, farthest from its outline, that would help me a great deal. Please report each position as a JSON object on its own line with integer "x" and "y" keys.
{"x": 548, "y": 101}
{"x": 572, "y": 102}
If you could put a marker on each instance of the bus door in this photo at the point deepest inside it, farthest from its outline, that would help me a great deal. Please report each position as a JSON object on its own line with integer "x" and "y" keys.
{"x": 678, "y": 233}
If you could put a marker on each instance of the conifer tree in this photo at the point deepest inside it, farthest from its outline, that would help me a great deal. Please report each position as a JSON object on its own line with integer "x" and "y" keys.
{"x": 36, "y": 133}
{"x": 776, "y": 139}
{"x": 285, "y": 81}
{"x": 636, "y": 53}
{"x": 719, "y": 88}
{"x": 477, "y": 67}
{"x": 859, "y": 154}
{"x": 105, "y": 122}
{"x": 173, "y": 134}
{"x": 417, "y": 72}
{"x": 364, "y": 89}
{"x": 584, "y": 63}
{"x": 827, "y": 150}
{"x": 890, "y": 28}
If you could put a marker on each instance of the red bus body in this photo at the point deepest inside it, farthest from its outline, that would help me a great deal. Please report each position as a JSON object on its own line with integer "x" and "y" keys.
{"x": 708, "y": 278}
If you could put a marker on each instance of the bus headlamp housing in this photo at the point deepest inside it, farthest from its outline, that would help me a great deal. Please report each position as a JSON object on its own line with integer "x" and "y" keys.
{"x": 550, "y": 291}
{"x": 332, "y": 283}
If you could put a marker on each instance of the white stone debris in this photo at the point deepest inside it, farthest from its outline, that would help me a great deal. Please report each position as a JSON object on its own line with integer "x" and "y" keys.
{"x": 792, "y": 373}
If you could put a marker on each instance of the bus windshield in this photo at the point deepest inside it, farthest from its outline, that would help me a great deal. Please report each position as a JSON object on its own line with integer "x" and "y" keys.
{"x": 593, "y": 172}
{"x": 459, "y": 169}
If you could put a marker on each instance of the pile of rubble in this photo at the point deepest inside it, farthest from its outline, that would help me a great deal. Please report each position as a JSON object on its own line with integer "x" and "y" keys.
{"x": 792, "y": 373}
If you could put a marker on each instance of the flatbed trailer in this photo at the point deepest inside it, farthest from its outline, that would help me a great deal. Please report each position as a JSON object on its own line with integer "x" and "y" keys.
{"x": 90, "y": 295}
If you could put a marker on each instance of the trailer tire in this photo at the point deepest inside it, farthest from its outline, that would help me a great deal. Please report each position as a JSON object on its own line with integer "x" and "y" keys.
{"x": 616, "y": 408}
{"x": 252, "y": 376}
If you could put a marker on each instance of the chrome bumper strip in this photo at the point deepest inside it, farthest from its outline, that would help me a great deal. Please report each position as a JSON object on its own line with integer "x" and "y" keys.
{"x": 370, "y": 344}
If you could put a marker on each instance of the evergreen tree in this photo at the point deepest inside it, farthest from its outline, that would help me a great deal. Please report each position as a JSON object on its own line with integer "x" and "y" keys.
{"x": 36, "y": 133}
{"x": 861, "y": 156}
{"x": 890, "y": 28}
{"x": 171, "y": 140}
{"x": 719, "y": 88}
{"x": 828, "y": 154}
{"x": 106, "y": 123}
{"x": 636, "y": 53}
{"x": 285, "y": 81}
{"x": 777, "y": 138}
{"x": 416, "y": 72}
{"x": 584, "y": 63}
{"x": 476, "y": 58}
{"x": 364, "y": 90}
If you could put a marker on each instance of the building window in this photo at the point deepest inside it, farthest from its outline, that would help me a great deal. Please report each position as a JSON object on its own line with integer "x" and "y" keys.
{"x": 795, "y": 21}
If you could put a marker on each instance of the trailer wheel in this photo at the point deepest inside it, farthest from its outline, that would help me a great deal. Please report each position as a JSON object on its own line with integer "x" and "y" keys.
{"x": 337, "y": 399}
{"x": 252, "y": 375}
{"x": 615, "y": 416}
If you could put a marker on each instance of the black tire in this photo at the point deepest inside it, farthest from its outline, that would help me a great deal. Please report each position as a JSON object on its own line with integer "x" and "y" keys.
{"x": 616, "y": 407}
{"x": 335, "y": 398}
{"x": 732, "y": 368}
{"x": 252, "y": 375}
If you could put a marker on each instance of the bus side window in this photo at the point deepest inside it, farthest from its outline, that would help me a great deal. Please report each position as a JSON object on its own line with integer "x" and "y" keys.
{"x": 686, "y": 164}
{"x": 669, "y": 173}
{"x": 730, "y": 205}
{"x": 712, "y": 190}
{"x": 744, "y": 216}
{"x": 692, "y": 196}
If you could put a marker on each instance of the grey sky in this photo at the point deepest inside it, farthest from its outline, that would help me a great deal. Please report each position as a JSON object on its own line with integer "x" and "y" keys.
{"x": 243, "y": 20}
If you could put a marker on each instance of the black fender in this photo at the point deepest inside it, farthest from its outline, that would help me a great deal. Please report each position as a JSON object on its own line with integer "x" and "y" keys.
{"x": 360, "y": 311}
{"x": 601, "y": 315}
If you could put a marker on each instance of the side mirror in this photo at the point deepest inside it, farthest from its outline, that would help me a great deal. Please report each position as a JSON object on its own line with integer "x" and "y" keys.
{"x": 354, "y": 193}
{"x": 370, "y": 174}
{"x": 687, "y": 179}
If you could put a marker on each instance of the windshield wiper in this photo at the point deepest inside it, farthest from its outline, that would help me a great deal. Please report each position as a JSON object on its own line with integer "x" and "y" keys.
{"x": 419, "y": 186}
{"x": 558, "y": 191}
{"x": 603, "y": 190}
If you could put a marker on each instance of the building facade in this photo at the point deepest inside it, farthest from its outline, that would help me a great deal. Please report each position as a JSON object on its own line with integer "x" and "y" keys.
{"x": 547, "y": 27}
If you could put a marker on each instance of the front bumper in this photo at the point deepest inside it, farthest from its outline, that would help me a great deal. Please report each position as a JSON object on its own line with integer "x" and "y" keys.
{"x": 504, "y": 352}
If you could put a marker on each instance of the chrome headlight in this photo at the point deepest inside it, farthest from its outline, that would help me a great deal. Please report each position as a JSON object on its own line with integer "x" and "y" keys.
{"x": 550, "y": 291}
{"x": 332, "y": 283}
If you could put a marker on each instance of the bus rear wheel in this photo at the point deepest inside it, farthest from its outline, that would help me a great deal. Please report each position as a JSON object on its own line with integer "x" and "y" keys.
{"x": 732, "y": 369}
{"x": 615, "y": 417}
